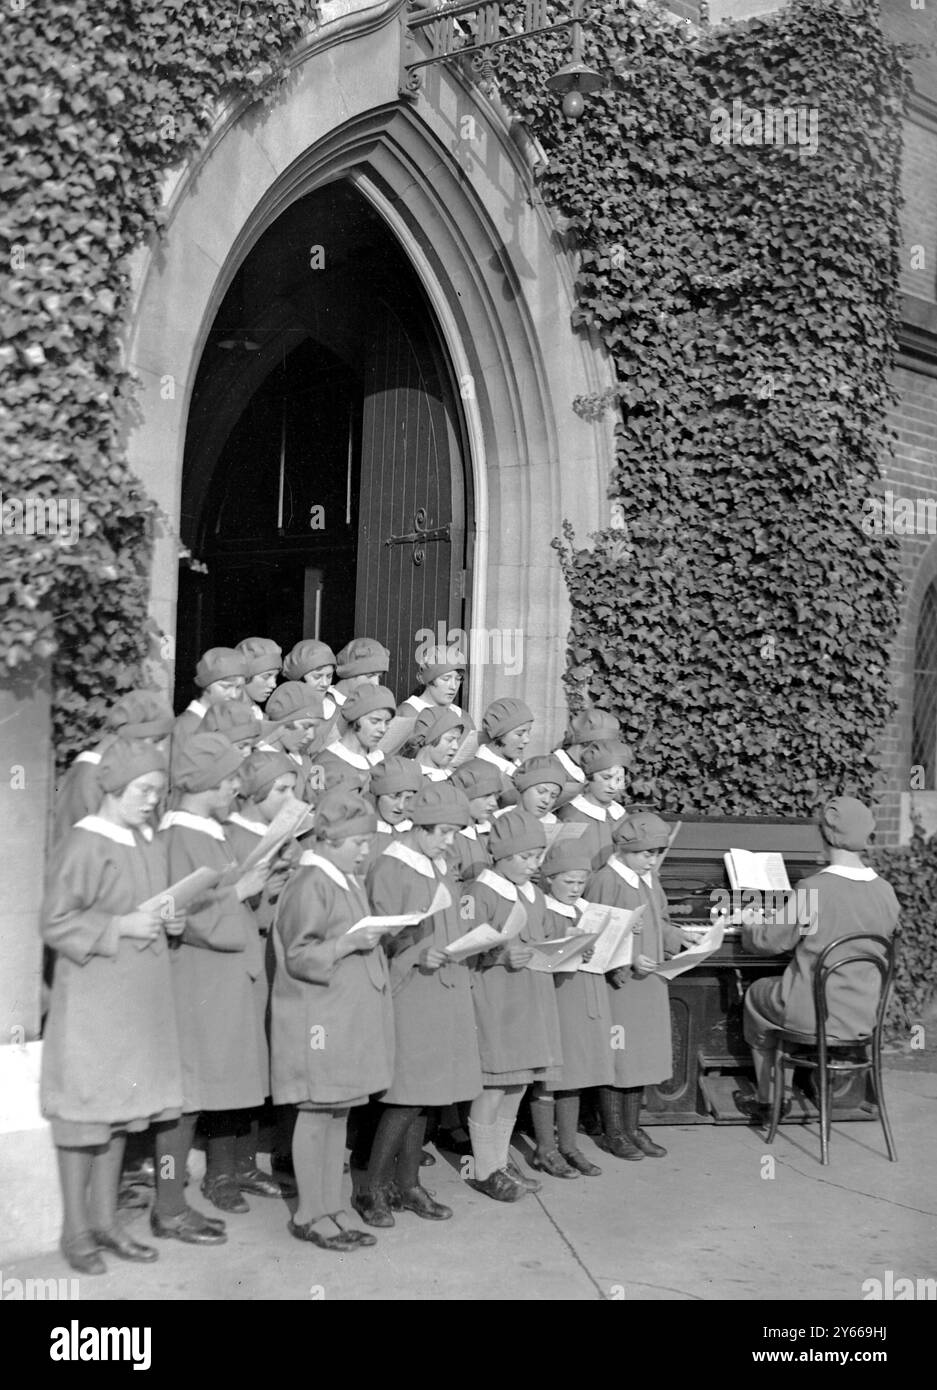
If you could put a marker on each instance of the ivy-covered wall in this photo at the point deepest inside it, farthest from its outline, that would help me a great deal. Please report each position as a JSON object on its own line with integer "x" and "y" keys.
{"x": 99, "y": 99}
{"x": 735, "y": 614}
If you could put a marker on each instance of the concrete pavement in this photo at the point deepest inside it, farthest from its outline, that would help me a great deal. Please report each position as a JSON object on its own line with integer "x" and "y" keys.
{"x": 723, "y": 1217}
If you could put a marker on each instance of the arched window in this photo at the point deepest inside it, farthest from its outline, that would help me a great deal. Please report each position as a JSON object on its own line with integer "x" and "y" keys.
{"x": 924, "y": 724}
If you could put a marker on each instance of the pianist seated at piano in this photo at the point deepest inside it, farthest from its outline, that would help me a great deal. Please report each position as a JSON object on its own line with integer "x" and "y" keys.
{"x": 843, "y": 898}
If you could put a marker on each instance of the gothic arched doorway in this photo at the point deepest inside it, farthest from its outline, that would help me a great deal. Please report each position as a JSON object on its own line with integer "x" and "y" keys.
{"x": 324, "y": 491}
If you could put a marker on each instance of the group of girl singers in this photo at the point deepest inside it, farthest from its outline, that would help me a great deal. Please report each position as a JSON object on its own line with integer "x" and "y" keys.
{"x": 275, "y": 982}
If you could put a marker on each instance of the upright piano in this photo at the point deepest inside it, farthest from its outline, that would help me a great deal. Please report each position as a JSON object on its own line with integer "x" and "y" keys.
{"x": 710, "y": 1056}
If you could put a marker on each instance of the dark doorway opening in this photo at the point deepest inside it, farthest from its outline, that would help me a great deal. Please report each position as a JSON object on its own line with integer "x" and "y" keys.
{"x": 324, "y": 490}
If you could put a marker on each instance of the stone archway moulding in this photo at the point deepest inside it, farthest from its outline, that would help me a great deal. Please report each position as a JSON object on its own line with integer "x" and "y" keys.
{"x": 484, "y": 250}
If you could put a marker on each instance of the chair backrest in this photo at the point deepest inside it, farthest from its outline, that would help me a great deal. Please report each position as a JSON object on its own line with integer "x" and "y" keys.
{"x": 827, "y": 970}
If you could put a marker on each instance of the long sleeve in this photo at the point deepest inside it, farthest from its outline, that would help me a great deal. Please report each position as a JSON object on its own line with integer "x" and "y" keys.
{"x": 307, "y": 909}
{"x": 70, "y": 922}
{"x": 393, "y": 891}
{"x": 217, "y": 922}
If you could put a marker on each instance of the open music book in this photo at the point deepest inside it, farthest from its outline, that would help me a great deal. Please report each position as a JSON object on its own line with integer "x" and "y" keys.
{"x": 616, "y": 927}
{"x": 763, "y": 872}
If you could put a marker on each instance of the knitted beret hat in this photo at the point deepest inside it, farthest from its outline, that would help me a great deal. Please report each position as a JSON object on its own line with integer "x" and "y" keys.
{"x": 365, "y": 700}
{"x": 204, "y": 761}
{"x": 307, "y": 655}
{"x": 478, "y": 777}
{"x": 262, "y": 654}
{"x": 295, "y": 700}
{"x": 514, "y": 833}
{"x": 565, "y": 855}
{"x": 126, "y": 759}
{"x": 439, "y": 661}
{"x": 539, "y": 770}
{"x": 261, "y": 770}
{"x": 503, "y": 715}
{"x": 237, "y": 721}
{"x": 846, "y": 823}
{"x": 643, "y": 830}
{"x": 439, "y": 803}
{"x": 596, "y": 757}
{"x": 218, "y": 664}
{"x": 432, "y": 723}
{"x": 341, "y": 813}
{"x": 362, "y": 656}
{"x": 140, "y": 714}
{"x": 396, "y": 774}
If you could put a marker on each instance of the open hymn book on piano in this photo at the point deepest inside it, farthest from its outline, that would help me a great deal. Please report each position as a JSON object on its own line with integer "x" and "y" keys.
{"x": 762, "y": 872}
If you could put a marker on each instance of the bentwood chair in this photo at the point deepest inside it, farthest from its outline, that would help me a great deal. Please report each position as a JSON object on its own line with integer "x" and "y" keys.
{"x": 834, "y": 1057}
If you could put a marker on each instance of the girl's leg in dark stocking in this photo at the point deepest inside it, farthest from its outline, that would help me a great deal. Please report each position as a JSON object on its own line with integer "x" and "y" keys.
{"x": 74, "y": 1175}
{"x": 105, "y": 1182}
{"x": 388, "y": 1140}
{"x": 411, "y": 1151}
{"x": 172, "y": 1145}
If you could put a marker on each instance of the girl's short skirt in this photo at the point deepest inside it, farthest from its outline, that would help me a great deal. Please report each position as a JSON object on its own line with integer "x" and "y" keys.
{"x": 94, "y": 1134}
{"x": 497, "y": 1080}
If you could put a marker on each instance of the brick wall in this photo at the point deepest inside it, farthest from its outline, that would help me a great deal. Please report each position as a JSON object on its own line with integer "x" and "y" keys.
{"x": 912, "y": 474}
{"x": 919, "y": 214}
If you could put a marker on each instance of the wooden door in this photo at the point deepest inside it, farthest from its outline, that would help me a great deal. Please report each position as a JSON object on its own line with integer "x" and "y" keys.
{"x": 412, "y": 510}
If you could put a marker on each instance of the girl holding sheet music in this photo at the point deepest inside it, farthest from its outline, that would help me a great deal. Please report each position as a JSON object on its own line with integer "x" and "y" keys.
{"x": 515, "y": 1008}
{"x": 221, "y": 995}
{"x": 332, "y": 1031}
{"x": 436, "y": 1055}
{"x": 110, "y": 1058}
{"x": 597, "y": 806}
{"x": 638, "y": 999}
{"x": 585, "y": 1023}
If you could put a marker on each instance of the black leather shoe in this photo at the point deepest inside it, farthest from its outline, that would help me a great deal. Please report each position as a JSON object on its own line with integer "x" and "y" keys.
{"x": 577, "y": 1159}
{"x": 119, "y": 1243}
{"x": 344, "y": 1241}
{"x": 281, "y": 1166}
{"x": 758, "y": 1111}
{"x": 224, "y": 1193}
{"x": 528, "y": 1184}
{"x": 191, "y": 1227}
{"x": 418, "y": 1200}
{"x": 446, "y": 1140}
{"x": 620, "y": 1146}
{"x": 81, "y": 1251}
{"x": 374, "y": 1207}
{"x": 260, "y": 1184}
{"x": 499, "y": 1185}
{"x": 554, "y": 1163}
{"x": 359, "y": 1237}
{"x": 642, "y": 1140}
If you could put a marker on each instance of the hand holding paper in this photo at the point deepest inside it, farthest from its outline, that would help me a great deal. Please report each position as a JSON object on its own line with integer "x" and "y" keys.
{"x": 707, "y": 946}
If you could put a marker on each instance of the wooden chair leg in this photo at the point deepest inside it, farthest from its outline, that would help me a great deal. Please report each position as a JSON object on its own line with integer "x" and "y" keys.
{"x": 878, "y": 1085}
{"x": 823, "y": 1077}
{"x": 777, "y": 1090}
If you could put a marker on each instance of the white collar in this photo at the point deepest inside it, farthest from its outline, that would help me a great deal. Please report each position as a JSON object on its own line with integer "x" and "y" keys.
{"x": 187, "y": 820}
{"x": 549, "y": 819}
{"x": 528, "y": 891}
{"x": 472, "y": 832}
{"x": 498, "y": 884}
{"x": 363, "y": 761}
{"x": 567, "y": 764}
{"x": 397, "y": 829}
{"x": 310, "y": 860}
{"x": 120, "y": 834}
{"x": 336, "y": 696}
{"x": 564, "y": 909}
{"x": 435, "y": 774}
{"x": 256, "y": 710}
{"x": 413, "y": 859}
{"x": 486, "y": 753}
{"x": 197, "y": 707}
{"x": 256, "y": 827}
{"x": 588, "y": 809}
{"x": 615, "y": 810}
{"x": 418, "y": 702}
{"x": 623, "y": 871}
{"x": 861, "y": 875}
{"x": 89, "y": 757}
